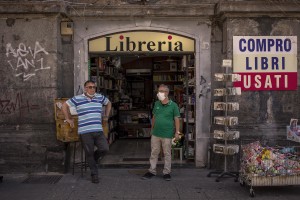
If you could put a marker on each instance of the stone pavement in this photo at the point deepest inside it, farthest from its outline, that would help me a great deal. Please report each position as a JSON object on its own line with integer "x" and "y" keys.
{"x": 125, "y": 183}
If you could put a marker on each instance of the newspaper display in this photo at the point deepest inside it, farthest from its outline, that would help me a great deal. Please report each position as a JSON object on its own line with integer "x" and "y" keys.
{"x": 229, "y": 91}
{"x": 219, "y": 106}
{"x": 227, "y": 77}
{"x": 233, "y": 106}
{"x": 230, "y": 106}
{"x": 226, "y": 149}
{"x": 229, "y": 135}
{"x": 219, "y": 92}
{"x": 227, "y": 121}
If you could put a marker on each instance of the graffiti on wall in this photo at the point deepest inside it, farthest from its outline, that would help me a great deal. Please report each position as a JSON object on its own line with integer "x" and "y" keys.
{"x": 18, "y": 104}
{"x": 205, "y": 87}
{"x": 25, "y": 60}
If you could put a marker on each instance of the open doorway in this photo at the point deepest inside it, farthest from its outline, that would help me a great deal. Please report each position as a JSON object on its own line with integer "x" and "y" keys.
{"x": 130, "y": 81}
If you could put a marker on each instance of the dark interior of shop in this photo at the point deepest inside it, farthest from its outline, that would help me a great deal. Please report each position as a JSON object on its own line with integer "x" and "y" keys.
{"x": 131, "y": 82}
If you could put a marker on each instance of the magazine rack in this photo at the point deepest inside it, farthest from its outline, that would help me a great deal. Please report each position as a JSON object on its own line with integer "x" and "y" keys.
{"x": 225, "y": 148}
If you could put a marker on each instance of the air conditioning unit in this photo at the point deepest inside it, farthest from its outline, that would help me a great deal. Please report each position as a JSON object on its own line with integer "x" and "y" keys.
{"x": 138, "y": 72}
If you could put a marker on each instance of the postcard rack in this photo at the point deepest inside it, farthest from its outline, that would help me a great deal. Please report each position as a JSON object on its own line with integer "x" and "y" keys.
{"x": 225, "y": 123}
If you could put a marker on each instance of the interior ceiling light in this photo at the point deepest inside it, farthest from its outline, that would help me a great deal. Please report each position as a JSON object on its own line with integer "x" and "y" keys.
{"x": 169, "y": 59}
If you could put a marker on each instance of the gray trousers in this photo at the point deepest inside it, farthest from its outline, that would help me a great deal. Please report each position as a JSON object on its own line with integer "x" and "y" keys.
{"x": 89, "y": 141}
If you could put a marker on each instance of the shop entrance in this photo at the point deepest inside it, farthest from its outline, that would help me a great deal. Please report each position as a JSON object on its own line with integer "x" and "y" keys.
{"x": 131, "y": 82}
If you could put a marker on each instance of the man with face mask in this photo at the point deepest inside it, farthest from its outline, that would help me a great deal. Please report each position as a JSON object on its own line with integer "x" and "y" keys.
{"x": 89, "y": 107}
{"x": 165, "y": 113}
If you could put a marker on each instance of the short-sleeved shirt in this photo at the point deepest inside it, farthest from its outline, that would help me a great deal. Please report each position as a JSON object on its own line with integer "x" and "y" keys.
{"x": 164, "y": 119}
{"x": 89, "y": 112}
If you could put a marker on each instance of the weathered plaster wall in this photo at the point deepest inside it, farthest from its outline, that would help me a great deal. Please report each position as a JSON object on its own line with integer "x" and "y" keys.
{"x": 37, "y": 65}
{"x": 34, "y": 65}
{"x": 263, "y": 115}
{"x": 197, "y": 29}
{"x": 267, "y": 108}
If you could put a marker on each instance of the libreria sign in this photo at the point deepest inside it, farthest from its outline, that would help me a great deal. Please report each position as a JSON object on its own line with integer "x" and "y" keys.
{"x": 141, "y": 41}
{"x": 265, "y": 62}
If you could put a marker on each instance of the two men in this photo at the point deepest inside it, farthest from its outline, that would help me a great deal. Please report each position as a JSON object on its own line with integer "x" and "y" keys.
{"x": 89, "y": 107}
{"x": 165, "y": 113}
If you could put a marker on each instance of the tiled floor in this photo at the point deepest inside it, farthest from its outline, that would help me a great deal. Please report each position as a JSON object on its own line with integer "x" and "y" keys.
{"x": 130, "y": 152}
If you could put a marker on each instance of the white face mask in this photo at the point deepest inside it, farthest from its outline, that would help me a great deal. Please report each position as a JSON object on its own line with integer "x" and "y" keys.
{"x": 90, "y": 95}
{"x": 161, "y": 96}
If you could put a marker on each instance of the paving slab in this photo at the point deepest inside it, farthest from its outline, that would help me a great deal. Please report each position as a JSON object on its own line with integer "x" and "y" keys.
{"x": 125, "y": 183}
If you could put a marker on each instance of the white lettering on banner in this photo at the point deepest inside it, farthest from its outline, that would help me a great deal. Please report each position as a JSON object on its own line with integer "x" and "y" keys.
{"x": 26, "y": 62}
{"x": 269, "y": 81}
{"x": 265, "y": 62}
{"x": 257, "y": 81}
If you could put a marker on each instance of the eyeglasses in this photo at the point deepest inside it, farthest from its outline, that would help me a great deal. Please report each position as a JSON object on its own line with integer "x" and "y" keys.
{"x": 162, "y": 91}
{"x": 91, "y": 87}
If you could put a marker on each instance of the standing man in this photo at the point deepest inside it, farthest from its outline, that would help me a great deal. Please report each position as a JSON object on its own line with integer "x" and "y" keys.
{"x": 165, "y": 113}
{"x": 89, "y": 107}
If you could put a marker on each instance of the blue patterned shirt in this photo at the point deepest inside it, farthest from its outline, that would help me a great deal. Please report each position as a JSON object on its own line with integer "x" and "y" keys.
{"x": 89, "y": 112}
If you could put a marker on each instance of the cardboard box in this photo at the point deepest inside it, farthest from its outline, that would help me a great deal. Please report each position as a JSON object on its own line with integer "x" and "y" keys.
{"x": 58, "y": 109}
{"x": 65, "y": 133}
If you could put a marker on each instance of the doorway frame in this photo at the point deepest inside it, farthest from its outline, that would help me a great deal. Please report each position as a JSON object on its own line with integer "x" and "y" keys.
{"x": 202, "y": 58}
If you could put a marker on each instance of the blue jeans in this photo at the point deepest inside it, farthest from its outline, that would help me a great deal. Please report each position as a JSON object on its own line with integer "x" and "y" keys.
{"x": 89, "y": 140}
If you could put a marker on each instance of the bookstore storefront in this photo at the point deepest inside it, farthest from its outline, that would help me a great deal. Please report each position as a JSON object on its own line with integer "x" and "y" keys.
{"x": 128, "y": 65}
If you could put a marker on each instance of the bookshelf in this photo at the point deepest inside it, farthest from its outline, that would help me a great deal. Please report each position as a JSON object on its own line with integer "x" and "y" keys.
{"x": 134, "y": 124}
{"x": 189, "y": 106}
{"x": 171, "y": 74}
{"x": 107, "y": 73}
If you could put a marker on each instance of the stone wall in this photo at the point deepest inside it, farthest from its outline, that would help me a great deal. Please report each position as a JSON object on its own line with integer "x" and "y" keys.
{"x": 263, "y": 115}
{"x": 36, "y": 67}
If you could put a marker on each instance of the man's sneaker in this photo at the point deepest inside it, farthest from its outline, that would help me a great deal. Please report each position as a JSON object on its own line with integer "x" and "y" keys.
{"x": 95, "y": 179}
{"x": 148, "y": 175}
{"x": 167, "y": 177}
